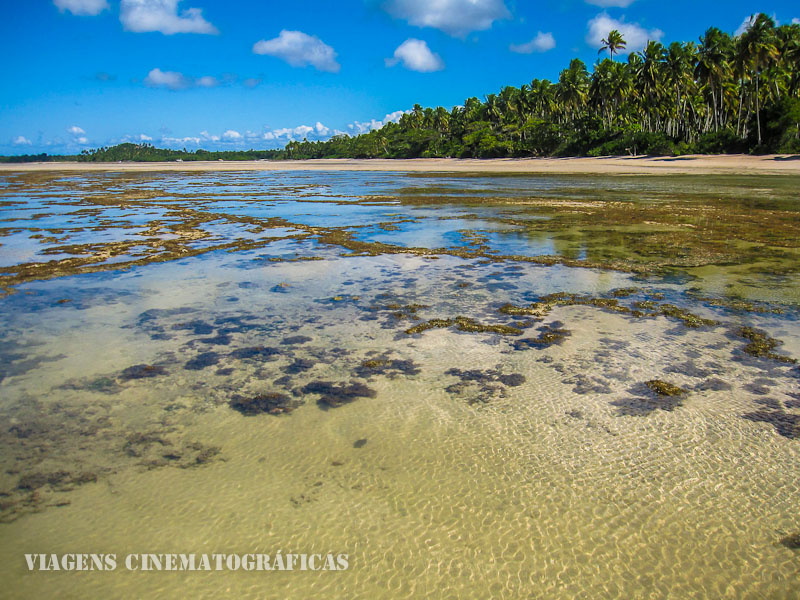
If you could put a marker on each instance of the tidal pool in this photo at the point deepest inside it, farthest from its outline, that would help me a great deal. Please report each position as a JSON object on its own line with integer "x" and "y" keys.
{"x": 473, "y": 386}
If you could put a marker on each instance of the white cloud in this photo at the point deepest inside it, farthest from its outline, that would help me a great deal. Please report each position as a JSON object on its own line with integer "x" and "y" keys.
{"x": 168, "y": 79}
{"x": 207, "y": 81}
{"x": 232, "y": 136}
{"x": 749, "y": 20}
{"x": 82, "y": 7}
{"x": 358, "y": 127}
{"x": 162, "y": 15}
{"x": 541, "y": 43}
{"x": 416, "y": 56}
{"x": 300, "y": 50}
{"x": 75, "y": 130}
{"x": 174, "y": 80}
{"x": 321, "y": 130}
{"x": 635, "y": 35}
{"x": 605, "y": 3}
{"x": 796, "y": 21}
{"x": 454, "y": 17}
{"x": 21, "y": 140}
{"x": 82, "y": 140}
{"x": 173, "y": 141}
{"x": 746, "y": 22}
{"x": 251, "y": 82}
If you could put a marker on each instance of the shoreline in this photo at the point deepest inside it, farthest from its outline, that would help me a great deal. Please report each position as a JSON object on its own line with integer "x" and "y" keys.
{"x": 728, "y": 164}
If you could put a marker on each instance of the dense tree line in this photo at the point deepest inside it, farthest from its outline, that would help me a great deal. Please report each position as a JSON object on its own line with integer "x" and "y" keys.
{"x": 723, "y": 94}
{"x": 149, "y": 153}
{"x": 146, "y": 153}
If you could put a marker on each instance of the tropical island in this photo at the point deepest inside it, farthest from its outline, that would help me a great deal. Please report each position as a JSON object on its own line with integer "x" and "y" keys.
{"x": 725, "y": 94}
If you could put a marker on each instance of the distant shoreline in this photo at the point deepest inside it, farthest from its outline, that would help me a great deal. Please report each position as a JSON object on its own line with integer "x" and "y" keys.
{"x": 728, "y": 164}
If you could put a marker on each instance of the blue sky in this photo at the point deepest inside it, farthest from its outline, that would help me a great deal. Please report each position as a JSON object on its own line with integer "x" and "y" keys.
{"x": 253, "y": 74}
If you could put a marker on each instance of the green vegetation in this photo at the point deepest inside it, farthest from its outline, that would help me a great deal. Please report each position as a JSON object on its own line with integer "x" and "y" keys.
{"x": 725, "y": 94}
{"x": 149, "y": 153}
{"x": 146, "y": 153}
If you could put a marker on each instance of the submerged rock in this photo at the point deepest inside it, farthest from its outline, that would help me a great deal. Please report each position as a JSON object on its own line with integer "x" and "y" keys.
{"x": 202, "y": 360}
{"x": 256, "y": 352}
{"x": 295, "y": 339}
{"x": 482, "y": 386}
{"x": 390, "y": 367}
{"x": 548, "y": 336}
{"x": 792, "y": 541}
{"x": 762, "y": 345}
{"x": 464, "y": 324}
{"x": 142, "y": 372}
{"x": 663, "y": 388}
{"x": 272, "y": 403}
{"x": 334, "y": 395}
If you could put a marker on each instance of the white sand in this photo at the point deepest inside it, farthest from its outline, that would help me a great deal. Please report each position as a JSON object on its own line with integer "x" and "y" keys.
{"x": 613, "y": 165}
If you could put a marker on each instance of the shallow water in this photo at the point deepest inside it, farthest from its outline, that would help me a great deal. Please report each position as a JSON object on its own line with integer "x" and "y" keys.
{"x": 472, "y": 459}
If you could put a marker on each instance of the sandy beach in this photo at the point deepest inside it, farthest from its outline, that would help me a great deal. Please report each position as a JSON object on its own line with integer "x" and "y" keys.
{"x": 614, "y": 165}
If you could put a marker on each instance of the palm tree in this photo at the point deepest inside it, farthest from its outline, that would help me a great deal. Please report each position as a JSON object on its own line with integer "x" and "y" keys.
{"x": 760, "y": 39}
{"x": 713, "y": 68}
{"x": 613, "y": 43}
{"x": 573, "y": 86}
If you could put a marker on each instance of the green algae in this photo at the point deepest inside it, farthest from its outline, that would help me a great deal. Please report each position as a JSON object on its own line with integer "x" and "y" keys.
{"x": 762, "y": 345}
{"x": 664, "y": 388}
{"x": 334, "y": 395}
{"x": 687, "y": 318}
{"x": 617, "y": 230}
{"x": 463, "y": 324}
{"x": 549, "y": 302}
{"x": 791, "y": 541}
{"x": 549, "y": 336}
{"x": 272, "y": 403}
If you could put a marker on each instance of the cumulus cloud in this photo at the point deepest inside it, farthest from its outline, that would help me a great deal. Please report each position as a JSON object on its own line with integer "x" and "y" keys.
{"x": 635, "y": 35}
{"x": 454, "y": 17}
{"x": 796, "y": 21}
{"x": 75, "y": 130}
{"x": 180, "y": 141}
{"x": 82, "y": 7}
{"x": 300, "y": 50}
{"x": 416, "y": 56}
{"x": 746, "y": 22}
{"x": 541, "y": 43}
{"x": 162, "y": 16}
{"x": 21, "y": 140}
{"x": 173, "y": 80}
{"x": 168, "y": 79}
{"x": 357, "y": 127}
{"x": 207, "y": 81}
{"x": 232, "y": 136}
{"x": 268, "y": 137}
{"x": 607, "y": 3}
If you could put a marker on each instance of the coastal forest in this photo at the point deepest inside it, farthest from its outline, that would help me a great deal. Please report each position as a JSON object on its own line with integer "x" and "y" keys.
{"x": 722, "y": 94}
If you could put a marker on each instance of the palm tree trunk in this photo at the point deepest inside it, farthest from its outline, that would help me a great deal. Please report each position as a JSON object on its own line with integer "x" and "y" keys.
{"x": 758, "y": 110}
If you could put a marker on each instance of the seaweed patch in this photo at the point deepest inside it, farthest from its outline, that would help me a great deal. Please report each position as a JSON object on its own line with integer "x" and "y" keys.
{"x": 465, "y": 324}
{"x": 481, "y": 386}
{"x": 762, "y": 345}
{"x": 334, "y": 395}
{"x": 272, "y": 403}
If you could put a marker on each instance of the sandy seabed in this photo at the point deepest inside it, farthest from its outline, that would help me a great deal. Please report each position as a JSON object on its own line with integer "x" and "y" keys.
{"x": 611, "y": 165}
